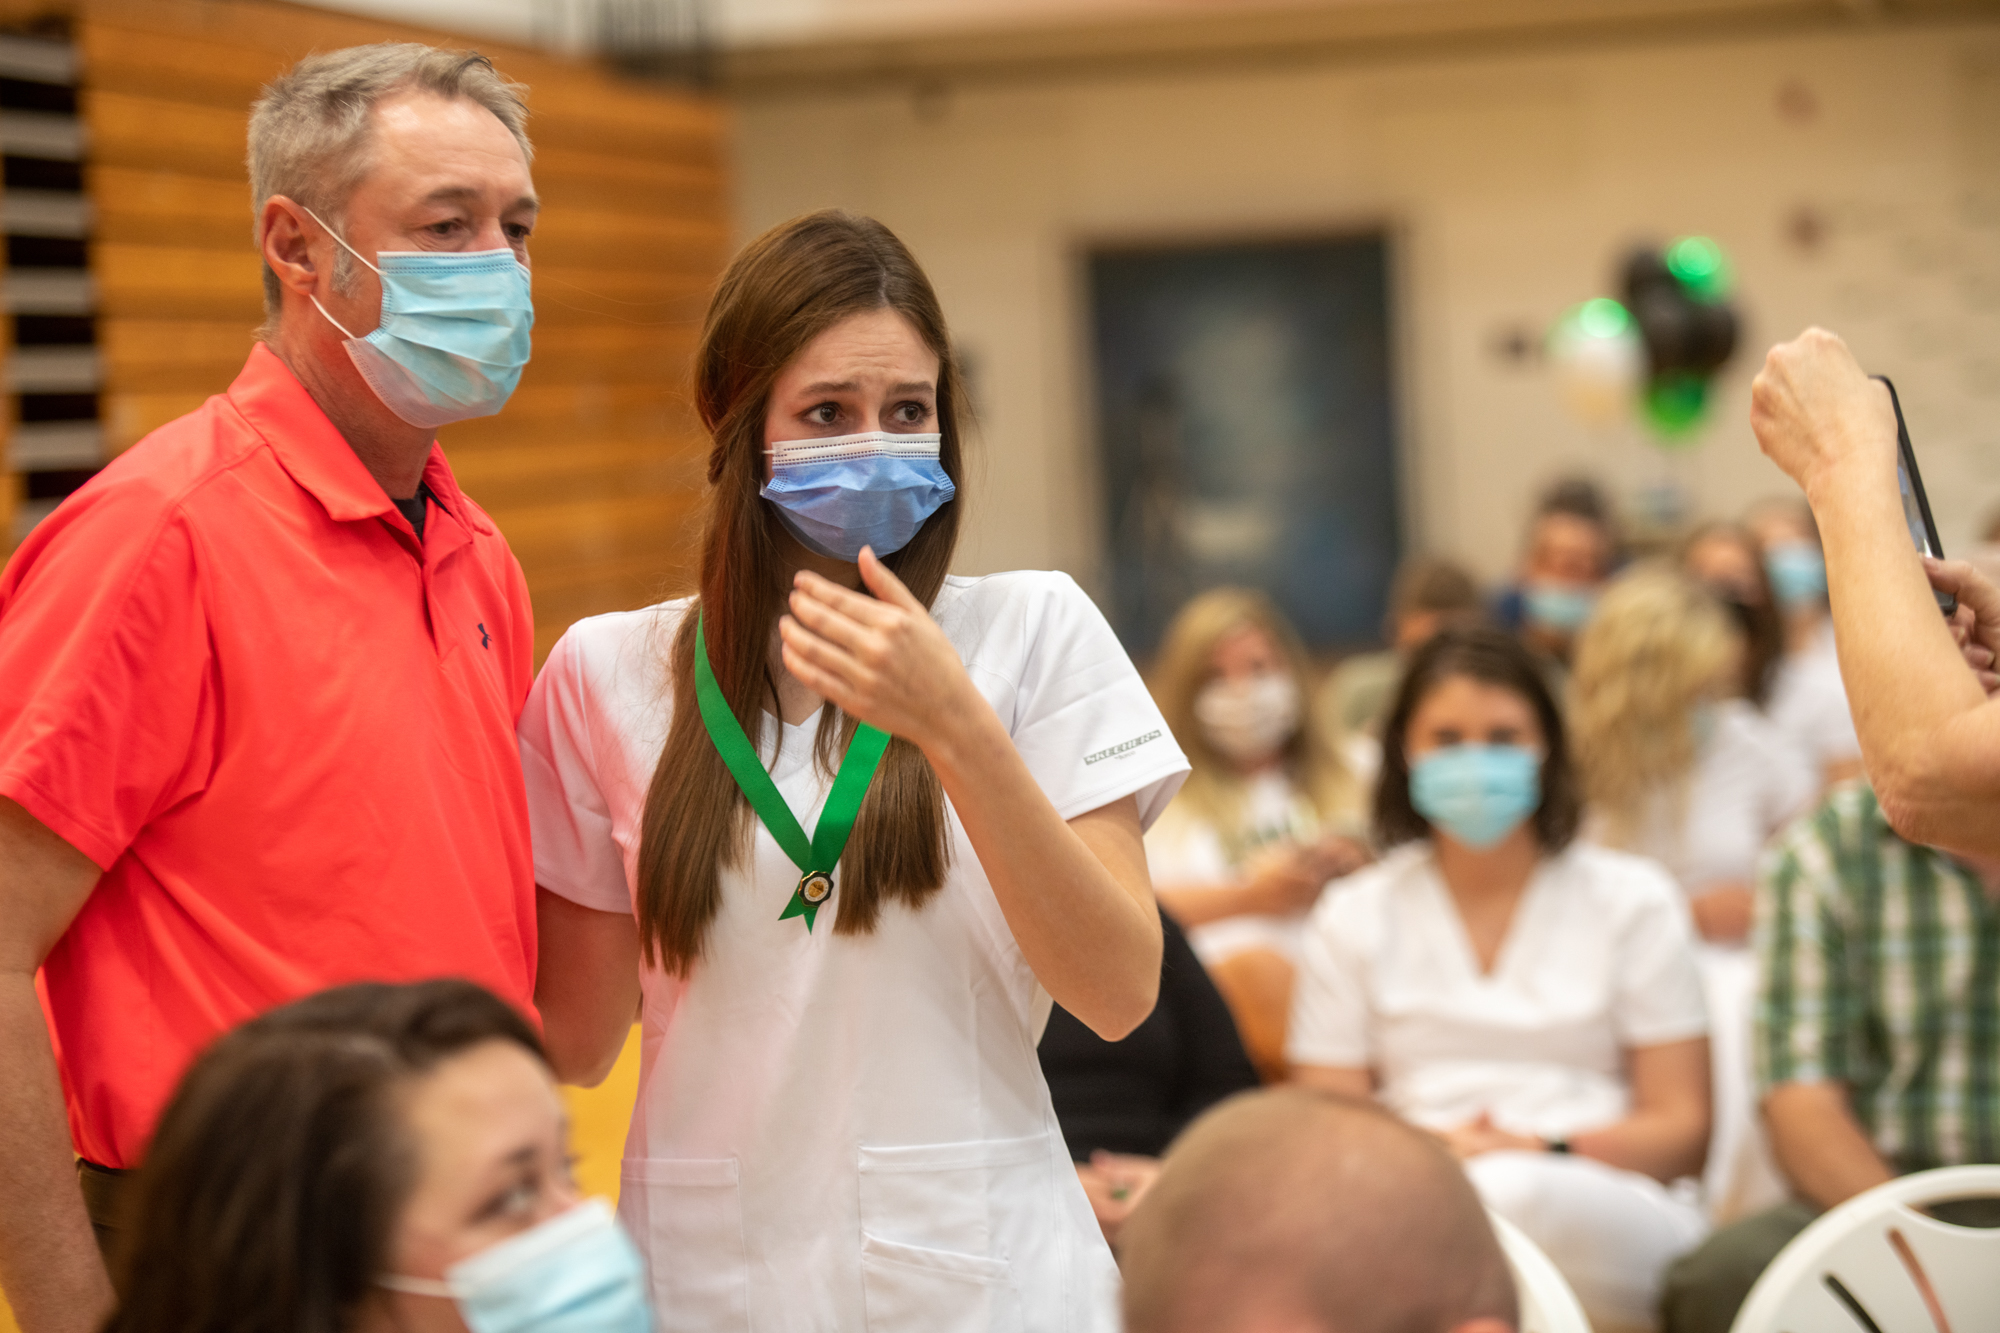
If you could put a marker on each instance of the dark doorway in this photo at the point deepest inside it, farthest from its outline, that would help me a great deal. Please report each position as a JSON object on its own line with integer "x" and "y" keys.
{"x": 1247, "y": 430}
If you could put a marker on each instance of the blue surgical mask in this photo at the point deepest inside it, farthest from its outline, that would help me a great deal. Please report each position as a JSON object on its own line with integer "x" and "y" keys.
{"x": 1477, "y": 793}
{"x": 1558, "y": 606}
{"x": 575, "y": 1273}
{"x": 453, "y": 336}
{"x": 1798, "y": 573}
{"x": 845, "y": 492}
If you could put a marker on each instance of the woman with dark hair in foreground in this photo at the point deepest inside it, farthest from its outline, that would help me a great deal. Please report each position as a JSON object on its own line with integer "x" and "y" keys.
{"x": 1532, "y": 1001}
{"x": 371, "y": 1158}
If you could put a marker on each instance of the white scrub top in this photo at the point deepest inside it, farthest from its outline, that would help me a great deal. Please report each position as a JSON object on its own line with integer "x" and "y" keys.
{"x": 1809, "y": 702}
{"x": 849, "y": 1132}
{"x": 1598, "y": 959}
{"x": 1749, "y": 780}
{"x": 1189, "y": 849}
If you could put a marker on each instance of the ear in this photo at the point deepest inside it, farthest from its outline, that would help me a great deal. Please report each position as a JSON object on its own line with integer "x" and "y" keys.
{"x": 284, "y": 237}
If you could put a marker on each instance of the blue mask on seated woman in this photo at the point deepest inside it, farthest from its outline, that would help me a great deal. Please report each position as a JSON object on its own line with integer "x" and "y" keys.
{"x": 574, "y": 1273}
{"x": 1477, "y": 793}
{"x": 839, "y": 494}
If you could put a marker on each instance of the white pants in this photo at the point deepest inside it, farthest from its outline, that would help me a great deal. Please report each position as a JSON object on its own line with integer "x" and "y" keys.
{"x": 1742, "y": 1177}
{"x": 1611, "y": 1232}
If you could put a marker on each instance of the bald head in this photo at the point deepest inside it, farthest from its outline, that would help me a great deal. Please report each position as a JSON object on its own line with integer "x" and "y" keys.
{"x": 1292, "y": 1212}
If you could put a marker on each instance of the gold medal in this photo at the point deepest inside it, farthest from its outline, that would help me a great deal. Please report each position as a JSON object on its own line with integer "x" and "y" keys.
{"x": 816, "y": 886}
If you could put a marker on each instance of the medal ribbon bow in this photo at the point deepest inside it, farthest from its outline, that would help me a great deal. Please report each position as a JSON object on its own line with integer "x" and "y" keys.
{"x": 816, "y": 857}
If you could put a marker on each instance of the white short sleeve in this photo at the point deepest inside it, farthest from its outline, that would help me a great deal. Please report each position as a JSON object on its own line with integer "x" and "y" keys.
{"x": 1082, "y": 719}
{"x": 568, "y": 817}
{"x": 1330, "y": 1010}
{"x": 1658, "y": 996}
{"x": 1792, "y": 777}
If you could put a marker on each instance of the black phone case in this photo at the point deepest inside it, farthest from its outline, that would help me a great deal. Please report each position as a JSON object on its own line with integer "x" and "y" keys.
{"x": 1946, "y": 602}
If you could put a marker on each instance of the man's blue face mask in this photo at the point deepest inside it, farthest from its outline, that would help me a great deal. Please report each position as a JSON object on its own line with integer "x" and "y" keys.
{"x": 453, "y": 336}
{"x": 840, "y": 494}
{"x": 1558, "y": 606}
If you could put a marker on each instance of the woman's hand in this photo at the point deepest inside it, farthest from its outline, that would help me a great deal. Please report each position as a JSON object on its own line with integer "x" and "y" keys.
{"x": 1114, "y": 1183}
{"x": 1282, "y": 881}
{"x": 1723, "y": 912}
{"x": 1335, "y": 855}
{"x": 1075, "y": 892}
{"x": 1483, "y": 1136}
{"x": 881, "y": 658}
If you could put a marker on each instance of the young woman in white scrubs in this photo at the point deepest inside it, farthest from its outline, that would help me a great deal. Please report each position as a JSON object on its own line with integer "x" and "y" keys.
{"x": 1530, "y": 999}
{"x": 1678, "y": 768}
{"x": 842, "y": 1123}
{"x": 1269, "y": 813}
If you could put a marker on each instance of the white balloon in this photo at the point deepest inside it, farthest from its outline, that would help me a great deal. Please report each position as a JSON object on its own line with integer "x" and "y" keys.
{"x": 1599, "y": 364}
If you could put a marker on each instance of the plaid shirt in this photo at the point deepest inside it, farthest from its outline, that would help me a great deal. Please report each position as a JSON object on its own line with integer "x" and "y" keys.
{"x": 1881, "y": 969}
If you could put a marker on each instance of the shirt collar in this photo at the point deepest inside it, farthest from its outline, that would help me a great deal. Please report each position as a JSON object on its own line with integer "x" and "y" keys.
{"x": 318, "y": 457}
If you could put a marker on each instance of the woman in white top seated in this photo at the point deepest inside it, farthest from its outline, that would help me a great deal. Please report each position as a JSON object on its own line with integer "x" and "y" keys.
{"x": 1808, "y": 697}
{"x": 1268, "y": 814}
{"x": 1530, "y": 999}
{"x": 1677, "y": 766}
{"x": 845, "y": 1128}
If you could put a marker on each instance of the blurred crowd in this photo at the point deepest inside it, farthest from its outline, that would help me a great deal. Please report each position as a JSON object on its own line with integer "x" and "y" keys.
{"x": 1543, "y": 877}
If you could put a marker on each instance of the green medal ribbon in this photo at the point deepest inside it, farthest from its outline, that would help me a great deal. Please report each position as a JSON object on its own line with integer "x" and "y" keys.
{"x": 816, "y": 858}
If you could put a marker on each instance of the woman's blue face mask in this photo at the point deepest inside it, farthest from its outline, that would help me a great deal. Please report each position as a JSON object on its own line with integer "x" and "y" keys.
{"x": 1477, "y": 793}
{"x": 1798, "y": 573}
{"x": 574, "y": 1273}
{"x": 839, "y": 494}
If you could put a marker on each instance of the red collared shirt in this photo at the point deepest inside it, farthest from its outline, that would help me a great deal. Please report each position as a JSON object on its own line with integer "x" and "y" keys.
{"x": 232, "y": 677}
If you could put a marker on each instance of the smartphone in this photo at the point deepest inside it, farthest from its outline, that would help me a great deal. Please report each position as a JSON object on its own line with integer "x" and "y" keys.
{"x": 1916, "y": 505}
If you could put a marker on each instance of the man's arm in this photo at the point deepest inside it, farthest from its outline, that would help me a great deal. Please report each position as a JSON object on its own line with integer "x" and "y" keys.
{"x": 49, "y": 1265}
{"x": 1819, "y": 1143}
{"x": 1929, "y": 736}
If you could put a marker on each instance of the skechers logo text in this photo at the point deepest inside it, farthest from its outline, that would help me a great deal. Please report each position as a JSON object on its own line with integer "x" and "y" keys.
{"x": 1122, "y": 747}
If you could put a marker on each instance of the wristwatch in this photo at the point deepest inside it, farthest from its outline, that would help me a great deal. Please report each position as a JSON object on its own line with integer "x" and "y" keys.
{"x": 1558, "y": 1145}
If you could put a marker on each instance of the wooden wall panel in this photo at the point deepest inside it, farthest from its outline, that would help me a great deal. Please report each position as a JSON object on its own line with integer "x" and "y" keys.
{"x": 595, "y": 468}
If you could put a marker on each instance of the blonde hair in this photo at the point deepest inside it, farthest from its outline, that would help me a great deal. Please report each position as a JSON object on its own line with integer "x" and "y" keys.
{"x": 310, "y": 130}
{"x": 1657, "y": 644}
{"x": 1214, "y": 791}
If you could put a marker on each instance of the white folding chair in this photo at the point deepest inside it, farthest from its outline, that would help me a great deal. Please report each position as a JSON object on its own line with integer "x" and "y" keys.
{"x": 1877, "y": 1265}
{"x": 1547, "y": 1304}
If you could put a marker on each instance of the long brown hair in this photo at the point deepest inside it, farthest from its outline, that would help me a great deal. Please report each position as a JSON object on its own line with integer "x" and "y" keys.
{"x": 272, "y": 1186}
{"x": 1756, "y": 617}
{"x": 786, "y": 288}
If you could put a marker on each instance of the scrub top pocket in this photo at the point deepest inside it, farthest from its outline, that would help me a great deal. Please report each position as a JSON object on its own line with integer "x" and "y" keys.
{"x": 908, "y": 1289}
{"x": 687, "y": 1215}
{"x": 945, "y": 1227}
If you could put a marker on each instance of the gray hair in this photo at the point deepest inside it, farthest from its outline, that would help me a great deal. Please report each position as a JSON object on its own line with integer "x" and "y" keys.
{"x": 311, "y": 130}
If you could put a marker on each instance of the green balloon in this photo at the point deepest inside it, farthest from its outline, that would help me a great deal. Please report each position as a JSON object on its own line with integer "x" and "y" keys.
{"x": 1700, "y": 267}
{"x": 1674, "y": 407}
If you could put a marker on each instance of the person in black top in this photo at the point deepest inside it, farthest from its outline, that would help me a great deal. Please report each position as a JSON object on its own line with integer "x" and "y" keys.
{"x": 1121, "y": 1103}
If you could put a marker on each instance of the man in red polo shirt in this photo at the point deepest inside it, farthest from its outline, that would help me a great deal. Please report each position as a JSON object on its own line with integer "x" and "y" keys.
{"x": 258, "y": 678}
